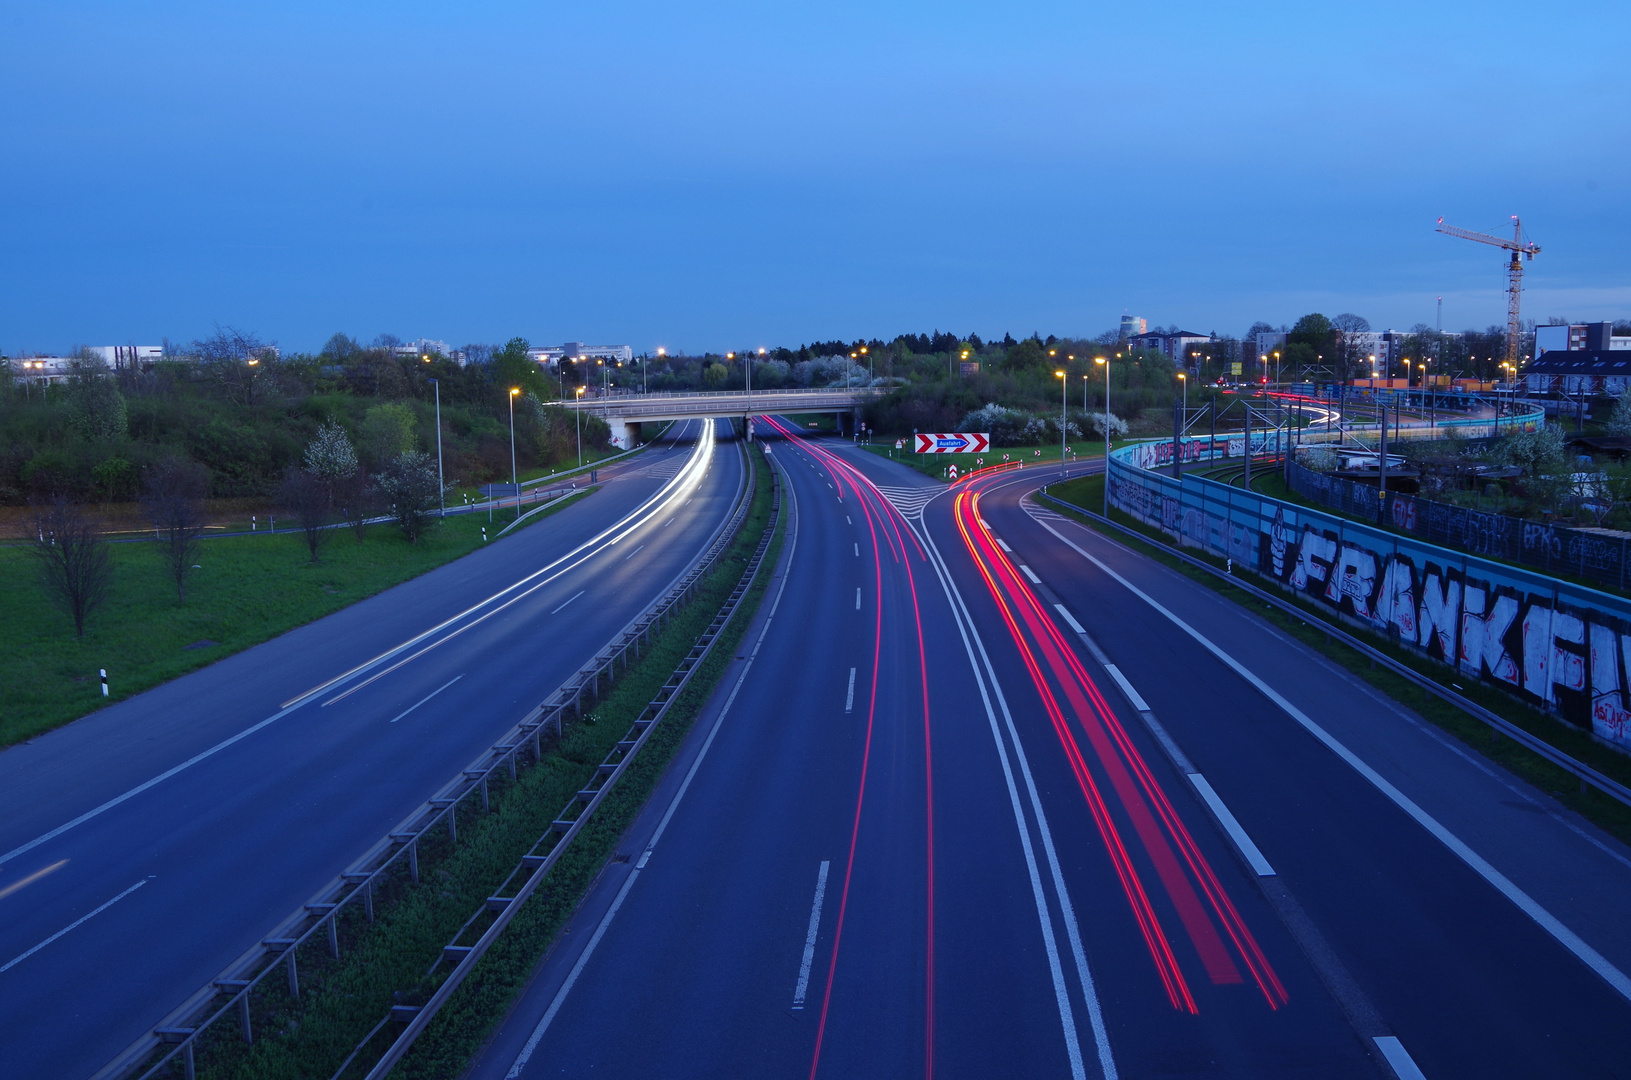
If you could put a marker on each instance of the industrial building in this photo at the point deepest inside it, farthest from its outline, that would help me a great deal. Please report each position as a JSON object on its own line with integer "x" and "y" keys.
{"x": 577, "y": 350}
{"x": 1578, "y": 337}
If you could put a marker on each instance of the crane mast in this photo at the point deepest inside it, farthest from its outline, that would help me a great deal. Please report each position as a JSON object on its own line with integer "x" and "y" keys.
{"x": 1521, "y": 249}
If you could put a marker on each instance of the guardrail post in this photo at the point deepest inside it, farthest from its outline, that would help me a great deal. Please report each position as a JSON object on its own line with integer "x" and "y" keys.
{"x": 484, "y": 806}
{"x": 453, "y": 822}
{"x": 294, "y": 975}
{"x": 413, "y": 860}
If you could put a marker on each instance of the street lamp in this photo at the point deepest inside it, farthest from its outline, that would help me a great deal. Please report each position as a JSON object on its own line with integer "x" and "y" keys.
{"x": 1183, "y": 381}
{"x": 1106, "y": 363}
{"x": 1063, "y": 383}
{"x": 515, "y": 483}
{"x": 578, "y": 412}
{"x": 441, "y": 485}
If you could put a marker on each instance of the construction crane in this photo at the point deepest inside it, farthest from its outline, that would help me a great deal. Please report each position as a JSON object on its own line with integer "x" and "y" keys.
{"x": 1514, "y": 276}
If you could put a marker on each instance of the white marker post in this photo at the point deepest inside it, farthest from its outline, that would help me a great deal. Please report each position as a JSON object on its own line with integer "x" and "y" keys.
{"x": 104, "y": 673}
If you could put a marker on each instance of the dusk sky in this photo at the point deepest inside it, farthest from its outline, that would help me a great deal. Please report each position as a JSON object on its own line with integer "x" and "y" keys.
{"x": 714, "y": 175}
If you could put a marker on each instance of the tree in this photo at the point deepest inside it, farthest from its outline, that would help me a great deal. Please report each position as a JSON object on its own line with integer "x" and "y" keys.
{"x": 96, "y": 408}
{"x": 76, "y": 567}
{"x": 512, "y": 367}
{"x": 236, "y": 360}
{"x": 1619, "y": 421}
{"x": 330, "y": 455}
{"x": 173, "y": 502}
{"x": 410, "y": 483}
{"x": 388, "y": 431}
{"x": 1350, "y": 354}
{"x": 305, "y": 495}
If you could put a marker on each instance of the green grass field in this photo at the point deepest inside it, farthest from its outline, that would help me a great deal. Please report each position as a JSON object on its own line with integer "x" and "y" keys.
{"x": 248, "y": 589}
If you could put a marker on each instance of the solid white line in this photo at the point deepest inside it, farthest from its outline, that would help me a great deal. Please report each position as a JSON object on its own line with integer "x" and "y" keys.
{"x": 1127, "y": 688}
{"x": 1074, "y": 625}
{"x": 1004, "y": 546}
{"x": 1404, "y": 1067}
{"x": 1030, "y": 574}
{"x": 662, "y": 826}
{"x": 857, "y": 599}
{"x": 1524, "y": 902}
{"x": 569, "y": 599}
{"x": 810, "y": 935}
{"x": 633, "y": 553}
{"x": 1231, "y": 826}
{"x": 76, "y": 923}
{"x": 32, "y": 878}
{"x": 1067, "y": 1019}
{"x": 426, "y": 698}
{"x": 849, "y": 695}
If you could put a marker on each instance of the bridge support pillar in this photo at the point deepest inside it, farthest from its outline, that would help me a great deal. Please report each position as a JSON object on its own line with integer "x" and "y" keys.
{"x": 846, "y": 422}
{"x": 625, "y": 433}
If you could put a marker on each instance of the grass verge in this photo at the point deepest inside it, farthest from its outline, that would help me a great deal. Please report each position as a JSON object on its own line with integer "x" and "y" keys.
{"x": 388, "y": 961}
{"x": 1608, "y": 813}
{"x": 248, "y": 589}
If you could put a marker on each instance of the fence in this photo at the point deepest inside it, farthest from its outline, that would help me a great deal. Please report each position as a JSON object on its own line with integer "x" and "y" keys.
{"x": 1597, "y": 557}
{"x": 1559, "y": 646}
{"x": 317, "y": 924}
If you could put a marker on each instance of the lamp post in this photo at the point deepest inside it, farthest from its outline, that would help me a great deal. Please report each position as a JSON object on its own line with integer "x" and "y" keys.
{"x": 1064, "y": 382}
{"x": 1183, "y": 381}
{"x": 441, "y": 485}
{"x": 515, "y": 483}
{"x": 578, "y": 412}
{"x": 1106, "y": 363}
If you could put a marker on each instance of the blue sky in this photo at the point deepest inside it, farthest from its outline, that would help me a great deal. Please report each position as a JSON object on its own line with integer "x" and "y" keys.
{"x": 713, "y": 175}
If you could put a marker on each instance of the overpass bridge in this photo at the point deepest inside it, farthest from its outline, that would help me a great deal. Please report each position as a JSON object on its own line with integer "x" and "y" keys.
{"x": 626, "y": 412}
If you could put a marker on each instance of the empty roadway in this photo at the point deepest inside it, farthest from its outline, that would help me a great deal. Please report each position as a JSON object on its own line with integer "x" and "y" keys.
{"x": 184, "y": 875}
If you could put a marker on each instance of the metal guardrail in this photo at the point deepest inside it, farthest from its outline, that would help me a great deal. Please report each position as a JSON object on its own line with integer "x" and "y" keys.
{"x": 184, "y": 1026}
{"x": 536, "y": 864}
{"x": 1585, "y": 773}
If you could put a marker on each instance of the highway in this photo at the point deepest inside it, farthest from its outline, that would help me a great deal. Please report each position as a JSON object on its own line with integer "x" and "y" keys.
{"x": 146, "y": 846}
{"x": 984, "y": 793}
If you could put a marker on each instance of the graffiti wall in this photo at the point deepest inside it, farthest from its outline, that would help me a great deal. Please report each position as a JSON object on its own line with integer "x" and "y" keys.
{"x": 1561, "y": 647}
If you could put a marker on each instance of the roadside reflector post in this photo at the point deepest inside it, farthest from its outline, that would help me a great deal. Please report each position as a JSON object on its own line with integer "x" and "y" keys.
{"x": 104, "y": 673}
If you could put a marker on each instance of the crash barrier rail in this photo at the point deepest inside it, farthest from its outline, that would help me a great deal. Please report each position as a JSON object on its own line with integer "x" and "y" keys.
{"x": 529, "y": 872}
{"x": 1558, "y": 646}
{"x": 1599, "y": 557}
{"x": 318, "y": 921}
{"x": 1585, "y": 773}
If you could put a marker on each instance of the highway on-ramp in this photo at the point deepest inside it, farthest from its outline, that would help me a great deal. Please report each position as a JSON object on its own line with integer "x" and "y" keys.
{"x": 984, "y": 793}
{"x": 146, "y": 846}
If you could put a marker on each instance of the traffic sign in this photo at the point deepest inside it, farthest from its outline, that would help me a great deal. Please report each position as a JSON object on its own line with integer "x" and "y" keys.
{"x": 954, "y": 443}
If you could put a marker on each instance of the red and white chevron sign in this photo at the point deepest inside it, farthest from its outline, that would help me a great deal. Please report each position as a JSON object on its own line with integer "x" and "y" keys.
{"x": 977, "y": 442}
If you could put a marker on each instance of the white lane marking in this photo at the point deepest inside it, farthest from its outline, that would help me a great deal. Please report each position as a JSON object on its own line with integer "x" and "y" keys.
{"x": 667, "y": 523}
{"x": 810, "y": 934}
{"x": 662, "y": 826}
{"x": 569, "y": 599}
{"x": 633, "y": 553}
{"x": 1404, "y": 1067}
{"x": 1231, "y": 826}
{"x": 295, "y": 703}
{"x": 1524, "y": 902}
{"x": 1066, "y": 615}
{"x": 1030, "y": 574}
{"x": 32, "y": 878}
{"x": 971, "y": 639}
{"x": 1127, "y": 688}
{"x": 846, "y": 518}
{"x": 1004, "y": 546}
{"x": 857, "y": 599}
{"x": 857, "y": 551}
{"x": 82, "y": 920}
{"x": 849, "y": 695}
{"x": 426, "y": 698}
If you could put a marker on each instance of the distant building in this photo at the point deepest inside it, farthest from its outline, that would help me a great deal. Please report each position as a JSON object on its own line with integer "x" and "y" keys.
{"x": 550, "y": 355}
{"x": 1579, "y": 371}
{"x": 1578, "y": 337}
{"x": 427, "y": 347}
{"x": 1177, "y": 345}
{"x": 1132, "y": 325}
{"x": 128, "y": 357}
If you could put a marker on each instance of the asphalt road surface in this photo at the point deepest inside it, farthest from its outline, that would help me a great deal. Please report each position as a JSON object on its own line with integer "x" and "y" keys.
{"x": 986, "y": 794}
{"x": 146, "y": 846}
